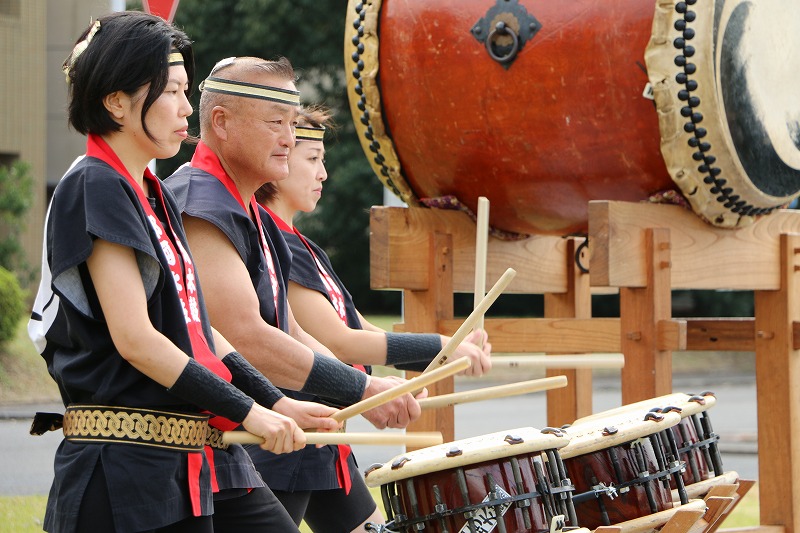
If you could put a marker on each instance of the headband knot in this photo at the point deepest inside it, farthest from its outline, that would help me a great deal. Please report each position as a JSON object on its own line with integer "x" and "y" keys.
{"x": 79, "y": 48}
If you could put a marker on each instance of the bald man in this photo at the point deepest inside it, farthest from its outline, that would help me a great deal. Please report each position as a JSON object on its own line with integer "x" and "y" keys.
{"x": 248, "y": 110}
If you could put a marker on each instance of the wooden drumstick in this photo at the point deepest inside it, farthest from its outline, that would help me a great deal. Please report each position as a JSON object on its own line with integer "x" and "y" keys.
{"x": 481, "y": 245}
{"x": 596, "y": 360}
{"x": 489, "y": 393}
{"x": 414, "y": 384}
{"x": 471, "y": 320}
{"x": 418, "y": 439}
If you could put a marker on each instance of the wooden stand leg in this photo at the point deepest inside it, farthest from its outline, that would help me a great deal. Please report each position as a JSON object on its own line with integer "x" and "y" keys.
{"x": 648, "y": 371}
{"x": 778, "y": 389}
{"x": 567, "y": 404}
{"x": 422, "y": 312}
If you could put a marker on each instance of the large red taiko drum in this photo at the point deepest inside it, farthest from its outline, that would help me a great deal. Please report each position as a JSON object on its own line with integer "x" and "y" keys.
{"x": 543, "y": 106}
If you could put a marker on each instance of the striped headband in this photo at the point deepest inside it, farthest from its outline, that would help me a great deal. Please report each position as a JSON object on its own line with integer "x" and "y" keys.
{"x": 174, "y": 58}
{"x": 251, "y": 90}
{"x": 308, "y": 133}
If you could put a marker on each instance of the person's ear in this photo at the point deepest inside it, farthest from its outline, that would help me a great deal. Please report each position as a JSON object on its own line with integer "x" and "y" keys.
{"x": 220, "y": 122}
{"x": 113, "y": 103}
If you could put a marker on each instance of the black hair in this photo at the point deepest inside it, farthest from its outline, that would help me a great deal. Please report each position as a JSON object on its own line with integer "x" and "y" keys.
{"x": 129, "y": 50}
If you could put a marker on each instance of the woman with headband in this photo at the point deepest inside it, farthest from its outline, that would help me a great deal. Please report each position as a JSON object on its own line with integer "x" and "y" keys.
{"x": 324, "y": 308}
{"x": 120, "y": 319}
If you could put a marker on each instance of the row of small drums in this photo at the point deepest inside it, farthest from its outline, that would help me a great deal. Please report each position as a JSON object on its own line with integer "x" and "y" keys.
{"x": 641, "y": 460}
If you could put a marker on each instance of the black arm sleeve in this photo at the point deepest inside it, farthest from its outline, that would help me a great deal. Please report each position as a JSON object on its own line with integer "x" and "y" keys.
{"x": 203, "y": 388}
{"x": 334, "y": 380}
{"x": 251, "y": 381}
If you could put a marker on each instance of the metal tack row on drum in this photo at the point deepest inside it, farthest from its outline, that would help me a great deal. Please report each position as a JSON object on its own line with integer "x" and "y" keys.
{"x": 633, "y": 467}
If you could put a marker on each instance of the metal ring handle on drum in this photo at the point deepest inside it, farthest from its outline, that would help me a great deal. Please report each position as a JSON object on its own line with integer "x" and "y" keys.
{"x": 502, "y": 28}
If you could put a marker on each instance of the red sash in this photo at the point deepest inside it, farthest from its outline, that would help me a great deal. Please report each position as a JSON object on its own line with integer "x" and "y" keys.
{"x": 207, "y": 160}
{"x": 182, "y": 270}
{"x": 337, "y": 300}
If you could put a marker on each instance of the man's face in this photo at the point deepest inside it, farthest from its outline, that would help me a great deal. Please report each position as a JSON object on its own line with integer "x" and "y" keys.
{"x": 262, "y": 133}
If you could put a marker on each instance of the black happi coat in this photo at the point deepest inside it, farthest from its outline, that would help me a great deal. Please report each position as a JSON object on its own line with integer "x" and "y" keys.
{"x": 305, "y": 273}
{"x": 148, "y": 487}
{"x": 202, "y": 195}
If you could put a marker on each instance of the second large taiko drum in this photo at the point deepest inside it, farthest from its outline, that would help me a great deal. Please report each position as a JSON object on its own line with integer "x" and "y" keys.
{"x": 544, "y": 106}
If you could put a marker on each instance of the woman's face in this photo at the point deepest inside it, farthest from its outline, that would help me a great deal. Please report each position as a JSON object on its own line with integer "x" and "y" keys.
{"x": 166, "y": 119}
{"x": 303, "y": 188}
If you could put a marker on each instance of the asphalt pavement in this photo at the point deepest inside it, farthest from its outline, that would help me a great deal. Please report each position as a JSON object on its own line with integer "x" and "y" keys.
{"x": 26, "y": 466}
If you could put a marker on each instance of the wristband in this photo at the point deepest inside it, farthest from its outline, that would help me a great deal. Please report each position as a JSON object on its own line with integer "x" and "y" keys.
{"x": 246, "y": 378}
{"x": 332, "y": 379}
{"x": 201, "y": 387}
{"x": 405, "y": 348}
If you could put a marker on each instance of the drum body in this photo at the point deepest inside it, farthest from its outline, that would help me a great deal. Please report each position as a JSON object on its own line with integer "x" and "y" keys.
{"x": 544, "y": 106}
{"x": 618, "y": 469}
{"x": 691, "y": 452}
{"x": 693, "y": 441}
{"x": 470, "y": 483}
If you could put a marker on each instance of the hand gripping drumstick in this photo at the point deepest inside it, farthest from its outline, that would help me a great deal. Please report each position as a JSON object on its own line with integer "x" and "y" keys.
{"x": 481, "y": 244}
{"x": 419, "y": 382}
{"x": 488, "y": 393}
{"x": 468, "y": 324}
{"x": 414, "y": 384}
{"x": 419, "y": 439}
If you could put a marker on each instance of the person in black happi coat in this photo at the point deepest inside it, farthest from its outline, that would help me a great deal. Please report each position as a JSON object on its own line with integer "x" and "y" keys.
{"x": 120, "y": 318}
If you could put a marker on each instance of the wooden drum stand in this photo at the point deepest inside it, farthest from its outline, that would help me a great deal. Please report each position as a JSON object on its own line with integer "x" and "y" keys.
{"x": 644, "y": 251}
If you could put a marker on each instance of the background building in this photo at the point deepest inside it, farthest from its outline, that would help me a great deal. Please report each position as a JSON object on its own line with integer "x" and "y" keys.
{"x": 35, "y": 37}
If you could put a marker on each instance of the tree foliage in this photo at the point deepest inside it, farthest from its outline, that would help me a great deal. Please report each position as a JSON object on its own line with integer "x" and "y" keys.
{"x": 16, "y": 198}
{"x": 12, "y": 307}
{"x": 310, "y": 33}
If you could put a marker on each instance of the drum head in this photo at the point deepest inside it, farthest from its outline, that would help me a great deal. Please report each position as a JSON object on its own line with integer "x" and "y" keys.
{"x": 603, "y": 433}
{"x": 688, "y": 403}
{"x": 469, "y": 451}
{"x": 729, "y": 108}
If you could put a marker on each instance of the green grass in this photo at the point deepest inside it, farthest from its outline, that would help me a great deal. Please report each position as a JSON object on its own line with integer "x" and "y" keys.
{"x": 24, "y": 514}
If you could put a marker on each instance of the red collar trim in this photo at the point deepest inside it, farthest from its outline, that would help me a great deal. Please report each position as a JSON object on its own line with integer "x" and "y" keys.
{"x": 98, "y": 148}
{"x": 205, "y": 159}
{"x": 278, "y": 220}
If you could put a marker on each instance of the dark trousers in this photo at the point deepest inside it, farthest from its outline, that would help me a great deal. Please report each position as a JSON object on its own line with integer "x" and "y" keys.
{"x": 330, "y": 511}
{"x": 259, "y": 510}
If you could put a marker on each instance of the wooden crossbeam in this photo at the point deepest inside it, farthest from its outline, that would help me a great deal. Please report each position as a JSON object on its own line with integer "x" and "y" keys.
{"x": 703, "y": 256}
{"x": 565, "y": 335}
{"x": 720, "y": 334}
{"x": 400, "y": 253}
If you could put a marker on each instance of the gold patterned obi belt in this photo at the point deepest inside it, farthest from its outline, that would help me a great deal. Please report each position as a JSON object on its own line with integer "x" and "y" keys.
{"x": 148, "y": 427}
